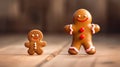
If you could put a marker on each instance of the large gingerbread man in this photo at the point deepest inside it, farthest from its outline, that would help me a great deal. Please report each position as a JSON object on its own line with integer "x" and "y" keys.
{"x": 82, "y": 31}
{"x": 35, "y": 42}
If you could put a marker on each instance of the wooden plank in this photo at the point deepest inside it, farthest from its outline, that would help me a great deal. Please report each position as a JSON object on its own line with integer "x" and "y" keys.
{"x": 6, "y": 40}
{"x": 66, "y": 60}
{"x": 107, "y": 55}
{"x": 108, "y": 61}
{"x": 16, "y": 55}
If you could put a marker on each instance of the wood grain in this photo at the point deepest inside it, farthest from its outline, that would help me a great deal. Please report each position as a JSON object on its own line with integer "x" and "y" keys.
{"x": 14, "y": 54}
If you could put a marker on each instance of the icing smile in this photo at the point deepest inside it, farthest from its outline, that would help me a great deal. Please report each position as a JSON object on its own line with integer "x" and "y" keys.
{"x": 82, "y": 20}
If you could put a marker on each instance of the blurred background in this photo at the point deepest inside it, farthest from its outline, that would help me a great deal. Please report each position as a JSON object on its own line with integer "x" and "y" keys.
{"x": 18, "y": 17}
{"x": 50, "y": 16}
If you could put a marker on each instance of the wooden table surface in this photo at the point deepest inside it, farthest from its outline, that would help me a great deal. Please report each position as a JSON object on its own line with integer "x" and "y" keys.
{"x": 14, "y": 54}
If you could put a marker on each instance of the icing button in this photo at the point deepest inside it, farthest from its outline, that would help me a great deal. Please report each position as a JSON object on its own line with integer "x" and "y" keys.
{"x": 82, "y": 29}
{"x": 82, "y": 36}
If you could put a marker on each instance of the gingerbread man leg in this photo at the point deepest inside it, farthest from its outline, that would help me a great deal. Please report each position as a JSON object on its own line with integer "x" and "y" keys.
{"x": 31, "y": 51}
{"x": 89, "y": 48}
{"x": 39, "y": 51}
{"x": 75, "y": 47}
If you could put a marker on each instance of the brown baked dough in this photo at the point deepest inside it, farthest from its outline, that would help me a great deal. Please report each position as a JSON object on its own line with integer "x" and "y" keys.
{"x": 82, "y": 31}
{"x": 35, "y": 42}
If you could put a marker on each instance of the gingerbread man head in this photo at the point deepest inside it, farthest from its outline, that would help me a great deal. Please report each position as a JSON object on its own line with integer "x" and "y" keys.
{"x": 35, "y": 35}
{"x": 82, "y": 16}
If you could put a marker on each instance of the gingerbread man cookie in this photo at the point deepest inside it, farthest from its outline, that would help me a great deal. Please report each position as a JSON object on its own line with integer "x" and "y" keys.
{"x": 82, "y": 31}
{"x": 35, "y": 42}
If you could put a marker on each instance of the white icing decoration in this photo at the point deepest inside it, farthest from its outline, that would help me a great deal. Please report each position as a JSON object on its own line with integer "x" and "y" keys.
{"x": 37, "y": 35}
{"x": 93, "y": 28}
{"x": 33, "y": 35}
{"x": 71, "y": 30}
{"x": 35, "y": 45}
{"x": 74, "y": 49}
{"x": 91, "y": 47}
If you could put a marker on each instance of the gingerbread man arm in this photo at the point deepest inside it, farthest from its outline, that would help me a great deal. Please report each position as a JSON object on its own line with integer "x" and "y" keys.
{"x": 69, "y": 29}
{"x": 43, "y": 43}
{"x": 95, "y": 28}
{"x": 27, "y": 44}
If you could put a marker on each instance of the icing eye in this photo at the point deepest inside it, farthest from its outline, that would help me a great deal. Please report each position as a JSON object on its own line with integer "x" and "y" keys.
{"x": 33, "y": 35}
{"x": 79, "y": 16}
{"x": 37, "y": 35}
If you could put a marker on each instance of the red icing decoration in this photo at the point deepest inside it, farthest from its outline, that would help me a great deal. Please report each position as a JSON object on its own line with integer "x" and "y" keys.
{"x": 82, "y": 36}
{"x": 82, "y": 29}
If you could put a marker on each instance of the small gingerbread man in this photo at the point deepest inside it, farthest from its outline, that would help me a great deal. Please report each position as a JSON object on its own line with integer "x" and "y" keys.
{"x": 35, "y": 42}
{"x": 82, "y": 31}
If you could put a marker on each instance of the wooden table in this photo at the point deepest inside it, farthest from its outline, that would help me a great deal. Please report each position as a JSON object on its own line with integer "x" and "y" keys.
{"x": 14, "y": 54}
